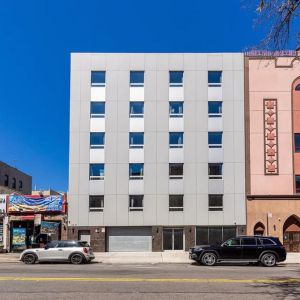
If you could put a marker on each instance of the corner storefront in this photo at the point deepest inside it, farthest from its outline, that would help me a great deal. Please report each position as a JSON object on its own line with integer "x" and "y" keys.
{"x": 36, "y": 220}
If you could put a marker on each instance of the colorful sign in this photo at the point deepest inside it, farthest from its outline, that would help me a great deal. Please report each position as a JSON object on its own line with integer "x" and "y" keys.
{"x": 1, "y": 234}
{"x": 49, "y": 227}
{"x": 19, "y": 238}
{"x": 35, "y": 204}
{"x": 3, "y": 204}
{"x": 37, "y": 219}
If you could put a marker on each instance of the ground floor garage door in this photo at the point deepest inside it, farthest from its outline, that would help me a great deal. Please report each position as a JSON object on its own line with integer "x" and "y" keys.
{"x": 131, "y": 239}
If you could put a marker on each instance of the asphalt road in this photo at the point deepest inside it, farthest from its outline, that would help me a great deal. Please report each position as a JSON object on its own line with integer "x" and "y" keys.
{"x": 163, "y": 281}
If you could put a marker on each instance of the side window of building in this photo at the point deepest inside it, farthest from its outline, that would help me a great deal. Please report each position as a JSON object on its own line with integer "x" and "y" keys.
{"x": 97, "y": 109}
{"x": 98, "y": 78}
{"x": 297, "y": 183}
{"x": 20, "y": 185}
{"x": 136, "y": 78}
{"x": 176, "y": 78}
{"x": 175, "y": 171}
{"x": 214, "y": 78}
{"x": 176, "y": 139}
{"x": 136, "y": 109}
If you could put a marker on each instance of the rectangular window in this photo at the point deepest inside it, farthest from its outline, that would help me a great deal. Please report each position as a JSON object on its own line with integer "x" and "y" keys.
{"x": 20, "y": 185}
{"x": 297, "y": 183}
{"x": 136, "y": 171}
{"x": 214, "y": 234}
{"x": 214, "y": 109}
{"x": 136, "y": 140}
{"x": 97, "y": 140}
{"x": 96, "y": 171}
{"x": 136, "y": 109}
{"x": 176, "y": 78}
{"x": 175, "y": 171}
{"x": 98, "y": 78}
{"x": 215, "y": 139}
{"x": 215, "y": 202}
{"x": 97, "y": 109}
{"x": 136, "y": 202}
{"x": 214, "y": 78}
{"x": 175, "y": 202}
{"x": 176, "y": 139}
{"x": 96, "y": 203}
{"x": 297, "y": 142}
{"x": 136, "y": 78}
{"x": 215, "y": 170}
{"x": 176, "y": 109}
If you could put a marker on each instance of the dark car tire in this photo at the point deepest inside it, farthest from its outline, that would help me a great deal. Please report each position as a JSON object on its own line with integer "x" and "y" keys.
{"x": 29, "y": 259}
{"x": 76, "y": 259}
{"x": 268, "y": 260}
{"x": 209, "y": 259}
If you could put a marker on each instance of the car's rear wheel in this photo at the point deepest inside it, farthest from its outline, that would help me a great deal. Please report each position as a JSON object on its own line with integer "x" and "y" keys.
{"x": 29, "y": 259}
{"x": 76, "y": 259}
{"x": 268, "y": 260}
{"x": 209, "y": 259}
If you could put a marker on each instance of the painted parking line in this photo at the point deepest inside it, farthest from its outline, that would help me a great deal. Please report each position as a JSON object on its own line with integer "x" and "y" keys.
{"x": 170, "y": 280}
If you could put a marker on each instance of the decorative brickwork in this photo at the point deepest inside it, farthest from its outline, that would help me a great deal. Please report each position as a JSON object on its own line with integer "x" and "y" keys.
{"x": 271, "y": 137}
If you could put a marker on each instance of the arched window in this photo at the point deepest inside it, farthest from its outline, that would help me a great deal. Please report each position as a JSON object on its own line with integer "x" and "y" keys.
{"x": 20, "y": 185}
{"x": 6, "y": 179}
{"x": 14, "y": 183}
{"x": 297, "y": 88}
{"x": 259, "y": 229}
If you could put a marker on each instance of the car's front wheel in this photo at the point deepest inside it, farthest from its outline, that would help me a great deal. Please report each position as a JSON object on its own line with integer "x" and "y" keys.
{"x": 76, "y": 259}
{"x": 268, "y": 260}
{"x": 29, "y": 259}
{"x": 209, "y": 259}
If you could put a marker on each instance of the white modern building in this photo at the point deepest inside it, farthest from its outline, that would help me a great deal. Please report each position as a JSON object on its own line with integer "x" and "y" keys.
{"x": 157, "y": 159}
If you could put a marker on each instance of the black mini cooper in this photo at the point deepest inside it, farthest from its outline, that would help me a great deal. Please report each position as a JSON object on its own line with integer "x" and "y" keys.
{"x": 252, "y": 249}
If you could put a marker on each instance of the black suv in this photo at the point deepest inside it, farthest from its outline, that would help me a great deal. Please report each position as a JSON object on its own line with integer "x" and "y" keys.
{"x": 253, "y": 249}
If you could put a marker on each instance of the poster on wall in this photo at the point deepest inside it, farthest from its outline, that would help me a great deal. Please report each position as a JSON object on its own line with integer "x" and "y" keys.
{"x": 49, "y": 228}
{"x": 20, "y": 203}
{"x": 19, "y": 238}
{"x": 1, "y": 234}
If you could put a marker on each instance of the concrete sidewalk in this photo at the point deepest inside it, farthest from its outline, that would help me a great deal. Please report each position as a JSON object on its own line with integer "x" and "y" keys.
{"x": 170, "y": 257}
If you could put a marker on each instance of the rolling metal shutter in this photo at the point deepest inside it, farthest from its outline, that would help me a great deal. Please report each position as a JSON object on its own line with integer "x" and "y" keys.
{"x": 129, "y": 239}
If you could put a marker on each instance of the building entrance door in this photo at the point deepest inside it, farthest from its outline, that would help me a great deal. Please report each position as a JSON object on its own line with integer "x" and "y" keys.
{"x": 291, "y": 234}
{"x": 173, "y": 239}
{"x": 291, "y": 241}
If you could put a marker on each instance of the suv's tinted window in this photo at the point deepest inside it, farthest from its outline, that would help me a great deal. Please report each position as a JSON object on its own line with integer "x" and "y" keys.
{"x": 248, "y": 241}
{"x": 233, "y": 242}
{"x": 52, "y": 245}
{"x": 266, "y": 242}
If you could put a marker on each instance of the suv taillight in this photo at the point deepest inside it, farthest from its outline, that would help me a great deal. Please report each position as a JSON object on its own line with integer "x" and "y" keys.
{"x": 85, "y": 250}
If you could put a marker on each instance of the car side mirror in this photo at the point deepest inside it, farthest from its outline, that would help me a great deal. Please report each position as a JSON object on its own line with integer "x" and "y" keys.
{"x": 46, "y": 247}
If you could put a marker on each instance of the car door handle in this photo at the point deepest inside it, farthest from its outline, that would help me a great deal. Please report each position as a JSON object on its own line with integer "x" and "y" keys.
{"x": 60, "y": 249}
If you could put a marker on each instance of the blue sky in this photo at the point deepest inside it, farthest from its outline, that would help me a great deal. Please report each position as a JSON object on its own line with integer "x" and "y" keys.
{"x": 37, "y": 38}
